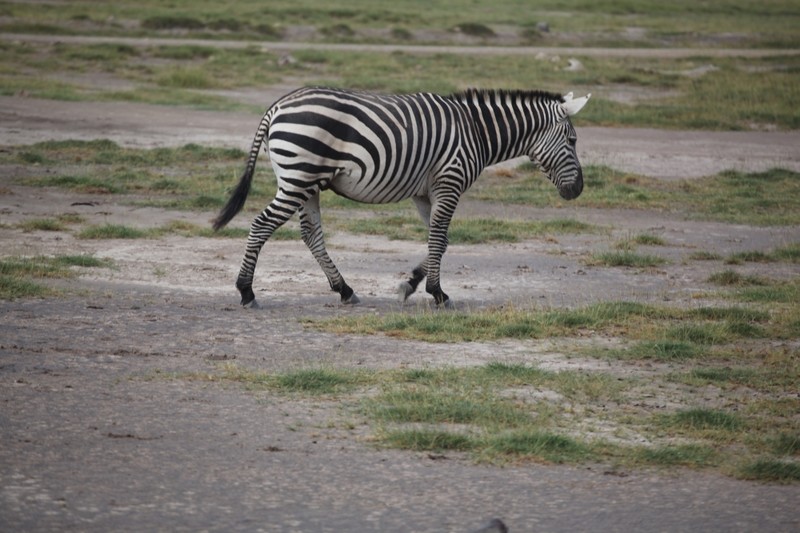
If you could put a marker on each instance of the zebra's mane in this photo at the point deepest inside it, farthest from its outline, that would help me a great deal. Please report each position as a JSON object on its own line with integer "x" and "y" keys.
{"x": 507, "y": 93}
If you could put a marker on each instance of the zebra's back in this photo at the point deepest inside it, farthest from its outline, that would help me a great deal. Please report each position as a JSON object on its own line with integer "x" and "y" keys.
{"x": 369, "y": 147}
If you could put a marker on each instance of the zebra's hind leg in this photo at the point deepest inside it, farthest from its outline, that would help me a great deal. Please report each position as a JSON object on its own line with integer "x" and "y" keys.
{"x": 311, "y": 231}
{"x": 280, "y": 209}
{"x": 437, "y": 245}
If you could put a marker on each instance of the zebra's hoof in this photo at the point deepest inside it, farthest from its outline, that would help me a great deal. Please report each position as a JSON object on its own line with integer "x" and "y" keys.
{"x": 351, "y": 300}
{"x": 252, "y": 305}
{"x": 448, "y": 304}
{"x": 404, "y": 290}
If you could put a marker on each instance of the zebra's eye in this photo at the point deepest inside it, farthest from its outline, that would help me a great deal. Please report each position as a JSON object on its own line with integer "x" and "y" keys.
{"x": 572, "y": 141}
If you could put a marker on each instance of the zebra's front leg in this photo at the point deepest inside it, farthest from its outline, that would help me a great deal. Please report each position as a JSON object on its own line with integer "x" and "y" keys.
{"x": 437, "y": 244}
{"x": 311, "y": 231}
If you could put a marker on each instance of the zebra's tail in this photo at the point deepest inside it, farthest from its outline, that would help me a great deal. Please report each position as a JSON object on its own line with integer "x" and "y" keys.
{"x": 236, "y": 201}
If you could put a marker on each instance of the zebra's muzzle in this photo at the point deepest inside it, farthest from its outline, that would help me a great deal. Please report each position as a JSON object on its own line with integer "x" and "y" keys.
{"x": 573, "y": 189}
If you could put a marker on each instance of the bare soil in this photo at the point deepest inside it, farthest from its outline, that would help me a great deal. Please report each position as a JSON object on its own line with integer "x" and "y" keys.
{"x": 96, "y": 436}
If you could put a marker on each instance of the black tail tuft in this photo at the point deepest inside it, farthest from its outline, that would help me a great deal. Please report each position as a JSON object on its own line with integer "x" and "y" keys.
{"x": 237, "y": 199}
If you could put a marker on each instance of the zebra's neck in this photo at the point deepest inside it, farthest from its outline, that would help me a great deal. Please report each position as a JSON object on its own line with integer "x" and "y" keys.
{"x": 507, "y": 122}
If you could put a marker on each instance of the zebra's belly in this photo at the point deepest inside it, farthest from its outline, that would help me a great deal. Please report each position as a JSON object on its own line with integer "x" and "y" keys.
{"x": 373, "y": 190}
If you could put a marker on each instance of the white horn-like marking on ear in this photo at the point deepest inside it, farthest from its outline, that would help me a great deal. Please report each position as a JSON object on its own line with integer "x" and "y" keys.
{"x": 573, "y": 105}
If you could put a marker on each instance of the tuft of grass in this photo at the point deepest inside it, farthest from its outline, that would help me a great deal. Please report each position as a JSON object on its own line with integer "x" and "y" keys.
{"x": 626, "y": 258}
{"x": 699, "y": 333}
{"x": 704, "y": 256}
{"x": 85, "y": 184}
{"x": 764, "y": 198}
{"x": 316, "y": 381}
{"x": 427, "y": 440}
{"x": 770, "y": 470}
{"x": 81, "y": 260}
{"x": 786, "y": 444}
{"x": 733, "y": 278}
{"x": 475, "y": 29}
{"x": 495, "y": 323}
{"x": 538, "y": 445}
{"x": 692, "y": 455}
{"x": 16, "y": 273}
{"x": 701, "y": 419}
{"x": 187, "y": 78}
{"x": 42, "y": 224}
{"x": 738, "y": 314}
{"x": 753, "y": 257}
{"x": 790, "y": 253}
{"x": 646, "y": 239}
{"x": 665, "y": 350}
{"x": 170, "y": 22}
{"x": 113, "y": 231}
{"x": 12, "y": 288}
{"x": 444, "y": 406}
{"x": 467, "y": 231}
{"x": 782, "y": 293}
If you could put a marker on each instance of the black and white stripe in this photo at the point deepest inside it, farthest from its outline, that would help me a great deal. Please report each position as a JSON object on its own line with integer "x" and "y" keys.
{"x": 377, "y": 148}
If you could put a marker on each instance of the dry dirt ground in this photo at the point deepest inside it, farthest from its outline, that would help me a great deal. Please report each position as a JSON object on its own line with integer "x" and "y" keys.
{"x": 94, "y": 440}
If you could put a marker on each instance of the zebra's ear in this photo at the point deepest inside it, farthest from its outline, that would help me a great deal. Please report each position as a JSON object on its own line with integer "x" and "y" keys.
{"x": 573, "y": 105}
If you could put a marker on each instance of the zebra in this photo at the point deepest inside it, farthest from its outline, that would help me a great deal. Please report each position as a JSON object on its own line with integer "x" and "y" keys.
{"x": 381, "y": 148}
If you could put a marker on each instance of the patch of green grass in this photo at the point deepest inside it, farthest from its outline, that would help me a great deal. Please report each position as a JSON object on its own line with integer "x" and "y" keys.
{"x": 312, "y": 381}
{"x": 759, "y": 379}
{"x": 702, "y": 419}
{"x": 790, "y": 253}
{"x": 754, "y": 256}
{"x": 758, "y": 198}
{"x": 16, "y": 274}
{"x": 187, "y": 78}
{"x": 736, "y": 314}
{"x": 465, "y": 231}
{"x": 444, "y": 406}
{"x": 538, "y": 445}
{"x": 788, "y": 292}
{"x": 12, "y": 288}
{"x": 427, "y": 440}
{"x": 475, "y": 29}
{"x": 626, "y": 258}
{"x": 664, "y": 350}
{"x": 494, "y": 323}
{"x": 786, "y": 444}
{"x": 113, "y": 231}
{"x": 646, "y": 239}
{"x": 316, "y": 381}
{"x": 704, "y": 256}
{"x": 770, "y": 470}
{"x": 733, "y": 278}
{"x": 81, "y": 260}
{"x": 699, "y": 333}
{"x": 764, "y": 198}
{"x": 85, "y": 184}
{"x": 692, "y": 455}
{"x": 42, "y": 224}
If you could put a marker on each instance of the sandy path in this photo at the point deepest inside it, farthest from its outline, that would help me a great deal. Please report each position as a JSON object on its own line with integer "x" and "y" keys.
{"x": 284, "y": 46}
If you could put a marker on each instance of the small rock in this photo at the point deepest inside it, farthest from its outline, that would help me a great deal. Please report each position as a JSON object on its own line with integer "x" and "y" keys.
{"x": 574, "y": 65}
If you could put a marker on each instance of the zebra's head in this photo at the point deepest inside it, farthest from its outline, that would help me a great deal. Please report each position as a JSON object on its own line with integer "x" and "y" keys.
{"x": 554, "y": 150}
